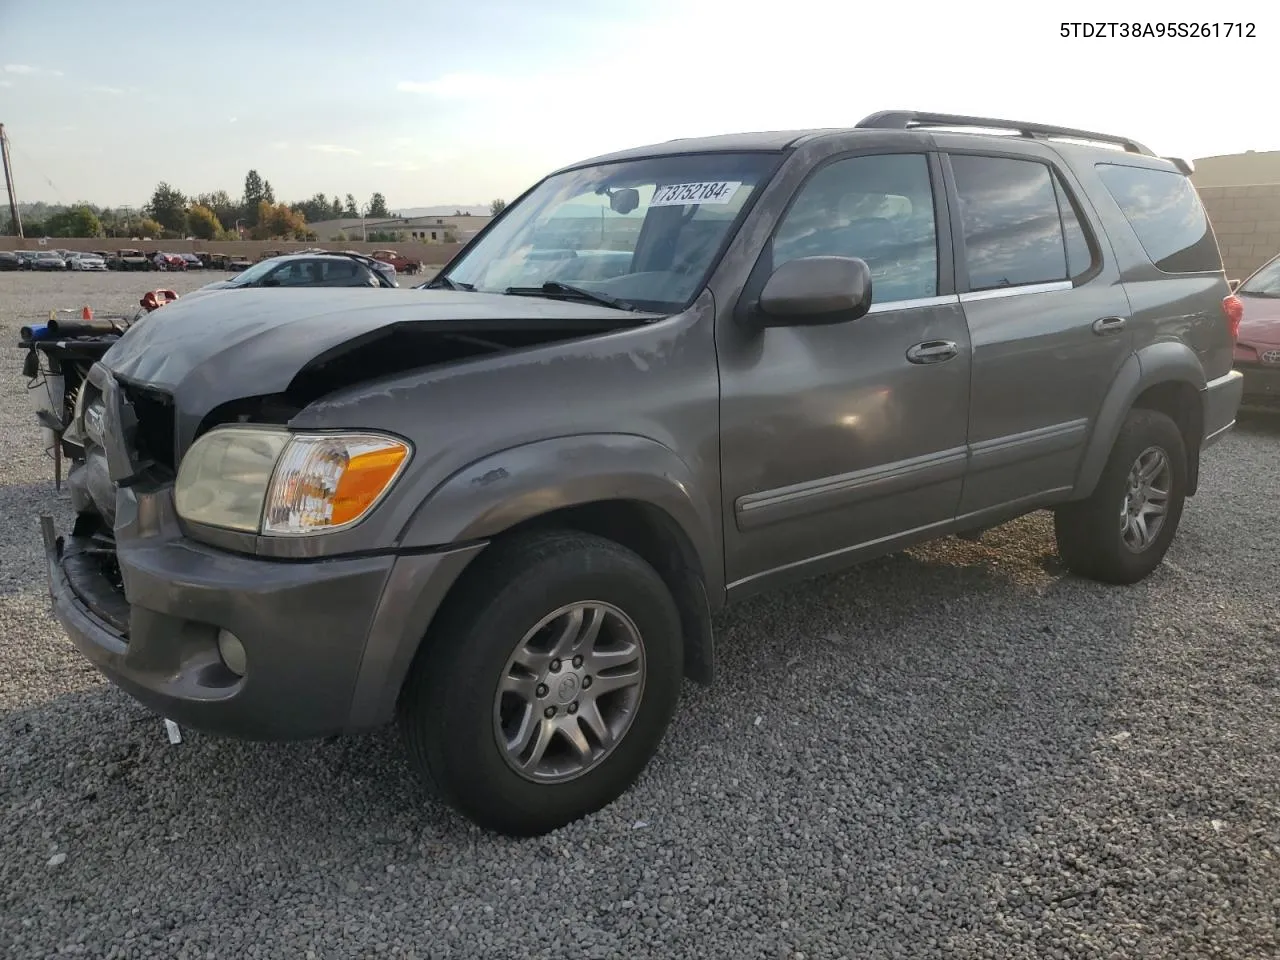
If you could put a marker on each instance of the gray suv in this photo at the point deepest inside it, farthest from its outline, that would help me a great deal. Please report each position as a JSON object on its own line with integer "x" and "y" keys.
{"x": 504, "y": 509}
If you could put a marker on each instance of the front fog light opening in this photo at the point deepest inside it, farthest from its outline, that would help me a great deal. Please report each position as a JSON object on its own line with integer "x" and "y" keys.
{"x": 232, "y": 652}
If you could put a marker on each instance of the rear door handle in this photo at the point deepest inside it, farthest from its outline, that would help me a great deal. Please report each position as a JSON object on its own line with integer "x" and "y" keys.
{"x": 932, "y": 351}
{"x": 1108, "y": 325}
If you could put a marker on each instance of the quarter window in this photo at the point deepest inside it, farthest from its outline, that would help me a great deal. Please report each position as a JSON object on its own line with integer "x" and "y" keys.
{"x": 878, "y": 208}
{"x": 1166, "y": 214}
{"x": 1079, "y": 253}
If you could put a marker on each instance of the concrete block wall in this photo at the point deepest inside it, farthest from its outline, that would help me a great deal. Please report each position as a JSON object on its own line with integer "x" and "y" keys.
{"x": 1246, "y": 221}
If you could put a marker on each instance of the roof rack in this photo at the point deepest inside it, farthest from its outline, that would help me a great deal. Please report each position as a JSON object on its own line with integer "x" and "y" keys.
{"x": 911, "y": 119}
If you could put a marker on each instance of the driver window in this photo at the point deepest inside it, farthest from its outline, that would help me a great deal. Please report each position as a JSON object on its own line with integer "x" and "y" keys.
{"x": 879, "y": 208}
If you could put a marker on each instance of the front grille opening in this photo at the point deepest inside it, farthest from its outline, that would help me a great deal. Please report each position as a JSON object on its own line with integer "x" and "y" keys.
{"x": 154, "y": 438}
{"x": 93, "y": 572}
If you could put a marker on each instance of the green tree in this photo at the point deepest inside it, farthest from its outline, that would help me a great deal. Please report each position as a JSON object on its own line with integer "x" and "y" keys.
{"x": 150, "y": 228}
{"x": 224, "y": 208}
{"x": 377, "y": 205}
{"x": 79, "y": 221}
{"x": 268, "y": 194}
{"x": 351, "y": 210}
{"x": 335, "y": 211}
{"x": 168, "y": 207}
{"x": 203, "y": 222}
{"x": 496, "y": 207}
{"x": 278, "y": 222}
{"x": 253, "y": 196}
{"x": 315, "y": 209}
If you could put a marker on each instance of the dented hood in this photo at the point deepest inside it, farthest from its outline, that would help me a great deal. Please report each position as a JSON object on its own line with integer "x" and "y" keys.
{"x": 225, "y": 345}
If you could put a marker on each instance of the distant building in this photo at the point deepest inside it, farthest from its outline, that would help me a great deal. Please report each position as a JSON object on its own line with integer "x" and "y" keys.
{"x": 449, "y": 229}
{"x": 1238, "y": 169}
{"x": 1241, "y": 192}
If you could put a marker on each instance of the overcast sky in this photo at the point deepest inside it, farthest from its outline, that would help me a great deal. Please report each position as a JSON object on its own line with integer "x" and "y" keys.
{"x": 468, "y": 100}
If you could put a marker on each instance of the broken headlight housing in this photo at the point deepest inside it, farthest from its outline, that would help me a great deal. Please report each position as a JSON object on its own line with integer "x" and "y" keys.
{"x": 268, "y": 480}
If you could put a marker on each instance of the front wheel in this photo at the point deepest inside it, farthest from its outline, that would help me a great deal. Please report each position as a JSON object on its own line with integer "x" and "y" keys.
{"x": 1122, "y": 532}
{"x": 547, "y": 683}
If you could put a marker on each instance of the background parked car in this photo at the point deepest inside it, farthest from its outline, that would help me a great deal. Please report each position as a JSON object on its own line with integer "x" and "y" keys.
{"x": 168, "y": 261}
{"x": 25, "y": 258}
{"x": 86, "y": 261}
{"x": 10, "y": 260}
{"x": 129, "y": 258}
{"x": 193, "y": 261}
{"x": 402, "y": 263}
{"x": 388, "y": 270}
{"x": 48, "y": 260}
{"x": 1257, "y": 353}
{"x": 307, "y": 270}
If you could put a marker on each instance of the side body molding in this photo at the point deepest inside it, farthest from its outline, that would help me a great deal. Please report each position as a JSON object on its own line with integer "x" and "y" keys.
{"x": 1163, "y": 362}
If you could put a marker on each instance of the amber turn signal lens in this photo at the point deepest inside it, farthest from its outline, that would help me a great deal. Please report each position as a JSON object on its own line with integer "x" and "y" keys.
{"x": 366, "y": 476}
{"x": 329, "y": 481}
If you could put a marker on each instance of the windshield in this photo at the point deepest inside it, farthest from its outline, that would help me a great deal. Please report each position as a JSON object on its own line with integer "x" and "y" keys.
{"x": 645, "y": 232}
{"x": 254, "y": 273}
{"x": 1264, "y": 283}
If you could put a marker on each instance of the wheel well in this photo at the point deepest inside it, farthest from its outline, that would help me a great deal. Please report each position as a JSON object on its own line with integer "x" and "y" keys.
{"x": 656, "y": 537}
{"x": 1180, "y": 401}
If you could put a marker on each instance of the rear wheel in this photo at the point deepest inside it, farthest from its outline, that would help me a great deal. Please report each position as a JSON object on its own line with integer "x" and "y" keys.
{"x": 547, "y": 684}
{"x": 1122, "y": 532}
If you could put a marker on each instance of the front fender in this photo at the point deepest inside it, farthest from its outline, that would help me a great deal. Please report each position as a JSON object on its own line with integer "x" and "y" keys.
{"x": 1164, "y": 362}
{"x": 518, "y": 484}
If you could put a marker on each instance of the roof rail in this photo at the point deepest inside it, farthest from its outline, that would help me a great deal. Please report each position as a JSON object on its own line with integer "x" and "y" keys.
{"x": 911, "y": 119}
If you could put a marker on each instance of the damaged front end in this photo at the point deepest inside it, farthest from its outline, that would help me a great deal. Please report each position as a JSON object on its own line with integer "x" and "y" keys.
{"x": 166, "y": 607}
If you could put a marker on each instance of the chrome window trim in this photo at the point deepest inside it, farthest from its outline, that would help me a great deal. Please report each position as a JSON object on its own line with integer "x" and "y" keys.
{"x": 1021, "y": 291}
{"x": 914, "y": 303}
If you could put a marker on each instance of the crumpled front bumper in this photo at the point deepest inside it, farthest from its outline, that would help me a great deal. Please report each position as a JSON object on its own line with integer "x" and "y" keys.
{"x": 304, "y": 628}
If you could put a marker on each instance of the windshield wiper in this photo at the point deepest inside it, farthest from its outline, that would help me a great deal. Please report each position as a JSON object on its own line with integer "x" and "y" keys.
{"x": 448, "y": 282}
{"x": 555, "y": 286}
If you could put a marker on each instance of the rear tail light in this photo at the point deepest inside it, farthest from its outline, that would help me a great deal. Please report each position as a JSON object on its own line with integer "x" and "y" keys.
{"x": 1233, "y": 310}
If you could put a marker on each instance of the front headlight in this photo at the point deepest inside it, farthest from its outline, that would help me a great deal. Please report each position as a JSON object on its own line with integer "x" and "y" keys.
{"x": 270, "y": 481}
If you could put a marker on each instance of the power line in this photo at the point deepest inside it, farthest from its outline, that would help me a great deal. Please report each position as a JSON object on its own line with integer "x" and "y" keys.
{"x": 26, "y": 156}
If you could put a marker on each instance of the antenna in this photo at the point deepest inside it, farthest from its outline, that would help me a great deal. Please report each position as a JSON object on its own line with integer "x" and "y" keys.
{"x": 8, "y": 182}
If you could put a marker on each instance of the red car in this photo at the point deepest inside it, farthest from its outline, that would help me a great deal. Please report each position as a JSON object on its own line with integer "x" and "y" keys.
{"x": 1257, "y": 353}
{"x": 168, "y": 261}
{"x": 402, "y": 264}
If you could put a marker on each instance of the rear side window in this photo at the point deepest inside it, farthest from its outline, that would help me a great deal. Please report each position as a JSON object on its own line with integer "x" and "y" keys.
{"x": 1165, "y": 212}
{"x": 1018, "y": 223}
{"x": 339, "y": 270}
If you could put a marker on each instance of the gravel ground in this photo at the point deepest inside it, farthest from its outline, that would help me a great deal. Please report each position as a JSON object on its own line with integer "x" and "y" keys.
{"x": 958, "y": 751}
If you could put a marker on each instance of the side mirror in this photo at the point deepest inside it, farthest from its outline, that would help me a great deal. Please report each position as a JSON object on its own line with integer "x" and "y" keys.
{"x": 1235, "y": 285}
{"x": 816, "y": 291}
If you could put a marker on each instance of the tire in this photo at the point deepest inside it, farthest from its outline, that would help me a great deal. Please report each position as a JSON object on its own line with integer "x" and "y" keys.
{"x": 452, "y": 715}
{"x": 1093, "y": 540}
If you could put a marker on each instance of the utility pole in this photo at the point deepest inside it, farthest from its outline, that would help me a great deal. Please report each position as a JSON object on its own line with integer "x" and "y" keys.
{"x": 8, "y": 182}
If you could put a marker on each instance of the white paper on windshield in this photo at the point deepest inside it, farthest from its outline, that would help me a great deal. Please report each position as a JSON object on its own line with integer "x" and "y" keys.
{"x": 678, "y": 194}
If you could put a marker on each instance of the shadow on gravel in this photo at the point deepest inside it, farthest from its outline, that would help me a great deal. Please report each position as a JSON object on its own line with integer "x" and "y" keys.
{"x": 1259, "y": 422}
{"x": 112, "y": 760}
{"x": 946, "y": 661}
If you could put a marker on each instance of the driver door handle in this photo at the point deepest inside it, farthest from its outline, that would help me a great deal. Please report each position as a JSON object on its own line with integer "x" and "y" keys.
{"x": 1108, "y": 325}
{"x": 932, "y": 351}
